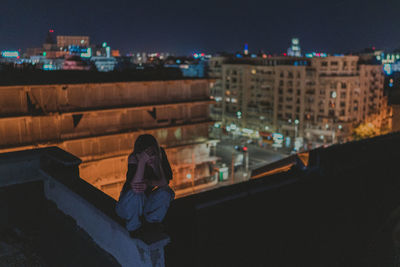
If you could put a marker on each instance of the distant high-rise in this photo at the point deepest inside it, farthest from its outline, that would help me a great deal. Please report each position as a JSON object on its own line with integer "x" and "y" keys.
{"x": 294, "y": 50}
{"x": 50, "y": 37}
{"x": 246, "y": 49}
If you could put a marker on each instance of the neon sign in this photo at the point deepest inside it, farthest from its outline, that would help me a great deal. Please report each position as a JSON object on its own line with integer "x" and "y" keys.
{"x": 10, "y": 54}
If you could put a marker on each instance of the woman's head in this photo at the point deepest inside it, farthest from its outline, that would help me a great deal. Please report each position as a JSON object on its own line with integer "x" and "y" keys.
{"x": 158, "y": 161}
{"x": 146, "y": 141}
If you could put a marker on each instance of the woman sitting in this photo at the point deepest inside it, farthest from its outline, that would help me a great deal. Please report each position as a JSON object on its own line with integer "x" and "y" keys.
{"x": 146, "y": 196}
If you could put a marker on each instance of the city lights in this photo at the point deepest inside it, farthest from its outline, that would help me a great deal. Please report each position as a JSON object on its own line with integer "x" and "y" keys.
{"x": 10, "y": 54}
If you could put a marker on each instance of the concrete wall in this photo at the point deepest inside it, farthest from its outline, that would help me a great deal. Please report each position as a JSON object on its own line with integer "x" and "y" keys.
{"x": 109, "y": 174}
{"x": 19, "y": 100}
{"x": 17, "y": 131}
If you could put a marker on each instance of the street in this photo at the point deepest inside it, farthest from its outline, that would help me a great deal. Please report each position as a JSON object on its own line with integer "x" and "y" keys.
{"x": 258, "y": 156}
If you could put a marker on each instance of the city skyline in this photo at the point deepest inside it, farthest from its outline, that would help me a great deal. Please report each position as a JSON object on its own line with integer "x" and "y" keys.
{"x": 184, "y": 28}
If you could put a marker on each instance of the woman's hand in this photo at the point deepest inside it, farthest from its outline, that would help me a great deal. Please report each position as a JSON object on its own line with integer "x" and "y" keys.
{"x": 146, "y": 155}
{"x": 139, "y": 187}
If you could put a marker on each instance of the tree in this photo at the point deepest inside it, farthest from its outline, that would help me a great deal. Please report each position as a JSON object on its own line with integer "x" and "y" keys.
{"x": 365, "y": 130}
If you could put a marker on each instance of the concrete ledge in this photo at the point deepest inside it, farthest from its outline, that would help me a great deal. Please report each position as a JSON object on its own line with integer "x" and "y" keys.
{"x": 92, "y": 210}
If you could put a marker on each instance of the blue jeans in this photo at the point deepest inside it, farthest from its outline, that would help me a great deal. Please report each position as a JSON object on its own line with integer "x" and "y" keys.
{"x": 132, "y": 206}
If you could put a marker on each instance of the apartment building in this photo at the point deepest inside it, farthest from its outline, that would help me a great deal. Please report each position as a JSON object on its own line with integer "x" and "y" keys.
{"x": 318, "y": 99}
{"x": 216, "y": 90}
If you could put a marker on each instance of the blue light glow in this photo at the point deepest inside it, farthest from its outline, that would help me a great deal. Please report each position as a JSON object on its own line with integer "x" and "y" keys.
{"x": 10, "y": 54}
{"x": 387, "y": 68}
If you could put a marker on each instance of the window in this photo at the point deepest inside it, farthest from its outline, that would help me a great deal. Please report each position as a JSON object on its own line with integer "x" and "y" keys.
{"x": 324, "y": 64}
{"x": 334, "y": 63}
{"x": 344, "y": 85}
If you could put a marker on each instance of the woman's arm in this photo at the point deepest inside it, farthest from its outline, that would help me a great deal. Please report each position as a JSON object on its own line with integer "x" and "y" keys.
{"x": 138, "y": 184}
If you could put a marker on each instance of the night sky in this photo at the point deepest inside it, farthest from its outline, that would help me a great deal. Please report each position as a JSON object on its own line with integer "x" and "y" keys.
{"x": 184, "y": 26}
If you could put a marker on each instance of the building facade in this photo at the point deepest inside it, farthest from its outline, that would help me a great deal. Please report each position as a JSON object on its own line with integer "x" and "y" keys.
{"x": 64, "y": 41}
{"x": 100, "y": 122}
{"x": 317, "y": 100}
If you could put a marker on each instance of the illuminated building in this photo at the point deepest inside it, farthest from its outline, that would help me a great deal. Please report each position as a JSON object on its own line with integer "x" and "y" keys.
{"x": 294, "y": 50}
{"x": 104, "y": 64}
{"x": 216, "y": 90}
{"x": 317, "y": 100}
{"x": 246, "y": 49}
{"x": 190, "y": 69}
{"x": 47, "y": 63}
{"x": 10, "y": 54}
{"x": 115, "y": 53}
{"x": 99, "y": 122}
{"x": 72, "y": 62}
{"x": 64, "y": 41}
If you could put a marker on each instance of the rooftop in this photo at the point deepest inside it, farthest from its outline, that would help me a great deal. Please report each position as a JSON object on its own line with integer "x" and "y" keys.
{"x": 335, "y": 206}
{"x": 37, "y": 77}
